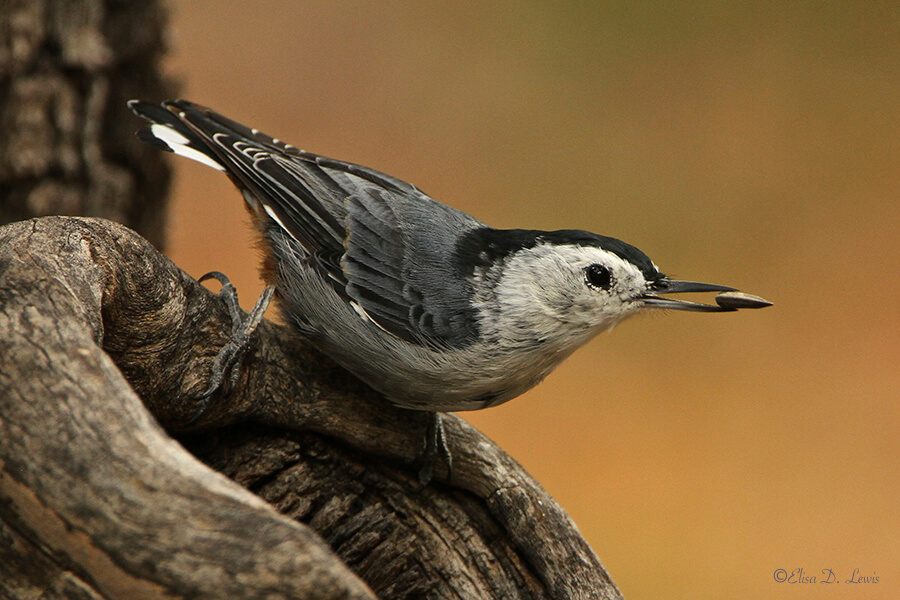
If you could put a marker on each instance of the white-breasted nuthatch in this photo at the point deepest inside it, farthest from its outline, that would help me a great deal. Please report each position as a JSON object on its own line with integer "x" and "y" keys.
{"x": 429, "y": 306}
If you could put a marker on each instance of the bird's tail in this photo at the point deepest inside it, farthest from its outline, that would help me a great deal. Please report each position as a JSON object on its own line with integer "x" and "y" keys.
{"x": 167, "y": 132}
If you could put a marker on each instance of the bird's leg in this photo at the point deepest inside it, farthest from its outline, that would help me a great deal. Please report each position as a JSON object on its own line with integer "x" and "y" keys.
{"x": 229, "y": 357}
{"x": 435, "y": 447}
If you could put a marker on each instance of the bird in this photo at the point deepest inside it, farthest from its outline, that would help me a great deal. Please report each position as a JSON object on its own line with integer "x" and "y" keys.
{"x": 426, "y": 304}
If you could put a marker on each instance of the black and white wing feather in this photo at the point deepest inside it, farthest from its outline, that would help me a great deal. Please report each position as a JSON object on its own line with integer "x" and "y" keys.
{"x": 383, "y": 245}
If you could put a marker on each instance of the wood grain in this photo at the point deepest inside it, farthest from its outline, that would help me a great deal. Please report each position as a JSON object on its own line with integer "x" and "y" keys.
{"x": 95, "y": 322}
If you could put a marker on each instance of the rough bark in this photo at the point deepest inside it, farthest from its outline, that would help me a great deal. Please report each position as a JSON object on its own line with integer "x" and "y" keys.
{"x": 96, "y": 499}
{"x": 67, "y": 67}
{"x": 99, "y": 502}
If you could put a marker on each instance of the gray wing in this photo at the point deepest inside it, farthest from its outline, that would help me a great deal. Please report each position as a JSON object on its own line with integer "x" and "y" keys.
{"x": 399, "y": 263}
{"x": 382, "y": 244}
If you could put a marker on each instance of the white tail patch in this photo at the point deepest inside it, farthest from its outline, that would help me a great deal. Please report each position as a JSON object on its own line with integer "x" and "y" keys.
{"x": 179, "y": 145}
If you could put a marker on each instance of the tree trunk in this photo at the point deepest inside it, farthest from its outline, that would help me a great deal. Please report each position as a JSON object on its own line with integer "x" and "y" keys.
{"x": 97, "y": 329}
{"x": 93, "y": 494}
{"x": 67, "y": 67}
{"x": 94, "y": 497}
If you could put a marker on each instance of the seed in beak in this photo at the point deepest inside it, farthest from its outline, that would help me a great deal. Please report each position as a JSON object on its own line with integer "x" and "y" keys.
{"x": 741, "y": 300}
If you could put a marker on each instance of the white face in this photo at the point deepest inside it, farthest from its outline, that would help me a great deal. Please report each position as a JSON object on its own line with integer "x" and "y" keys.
{"x": 562, "y": 294}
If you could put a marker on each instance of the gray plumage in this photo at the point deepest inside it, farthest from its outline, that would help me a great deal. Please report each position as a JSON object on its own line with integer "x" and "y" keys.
{"x": 423, "y": 302}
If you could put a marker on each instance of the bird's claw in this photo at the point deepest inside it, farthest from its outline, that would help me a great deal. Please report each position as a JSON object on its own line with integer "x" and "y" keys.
{"x": 435, "y": 447}
{"x": 229, "y": 357}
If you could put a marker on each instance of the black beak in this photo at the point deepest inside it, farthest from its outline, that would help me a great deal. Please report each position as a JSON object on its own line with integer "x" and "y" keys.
{"x": 670, "y": 286}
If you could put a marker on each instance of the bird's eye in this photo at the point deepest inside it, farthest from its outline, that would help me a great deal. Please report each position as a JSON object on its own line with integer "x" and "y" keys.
{"x": 598, "y": 276}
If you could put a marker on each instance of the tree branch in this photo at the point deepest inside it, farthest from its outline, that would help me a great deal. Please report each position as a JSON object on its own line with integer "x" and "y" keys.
{"x": 88, "y": 480}
{"x": 96, "y": 500}
{"x": 90, "y": 486}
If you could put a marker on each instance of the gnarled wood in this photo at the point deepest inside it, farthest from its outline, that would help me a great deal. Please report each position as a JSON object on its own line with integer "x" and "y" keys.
{"x": 96, "y": 499}
{"x": 88, "y": 479}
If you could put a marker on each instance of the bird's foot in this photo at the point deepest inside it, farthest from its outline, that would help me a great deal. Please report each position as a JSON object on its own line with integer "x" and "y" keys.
{"x": 435, "y": 448}
{"x": 229, "y": 357}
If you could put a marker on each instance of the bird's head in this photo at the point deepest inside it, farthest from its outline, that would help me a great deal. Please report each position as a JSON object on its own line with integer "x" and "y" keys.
{"x": 533, "y": 287}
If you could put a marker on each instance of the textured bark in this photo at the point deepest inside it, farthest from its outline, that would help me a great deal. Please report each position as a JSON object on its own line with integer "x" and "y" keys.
{"x": 96, "y": 327}
{"x": 67, "y": 146}
{"x": 106, "y": 504}
{"x": 95, "y": 499}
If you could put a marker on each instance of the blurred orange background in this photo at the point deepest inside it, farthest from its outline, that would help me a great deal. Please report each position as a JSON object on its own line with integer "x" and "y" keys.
{"x": 749, "y": 144}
